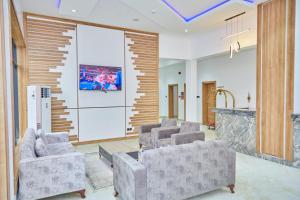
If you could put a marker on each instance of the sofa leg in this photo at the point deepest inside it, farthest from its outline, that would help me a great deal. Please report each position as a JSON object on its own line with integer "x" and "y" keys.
{"x": 116, "y": 194}
{"x": 82, "y": 194}
{"x": 231, "y": 187}
{"x": 141, "y": 145}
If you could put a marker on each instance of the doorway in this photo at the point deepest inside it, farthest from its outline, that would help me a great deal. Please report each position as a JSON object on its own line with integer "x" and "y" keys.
{"x": 173, "y": 100}
{"x": 208, "y": 102}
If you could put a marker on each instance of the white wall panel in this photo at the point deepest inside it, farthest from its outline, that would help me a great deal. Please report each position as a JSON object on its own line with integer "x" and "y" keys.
{"x": 68, "y": 80}
{"x": 100, "y": 46}
{"x": 101, "y": 123}
{"x": 131, "y": 76}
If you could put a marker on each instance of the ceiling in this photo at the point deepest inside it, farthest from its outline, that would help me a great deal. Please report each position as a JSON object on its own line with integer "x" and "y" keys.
{"x": 148, "y": 15}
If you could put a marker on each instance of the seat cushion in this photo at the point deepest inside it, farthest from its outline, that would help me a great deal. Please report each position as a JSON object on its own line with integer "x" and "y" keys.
{"x": 41, "y": 149}
{"x": 168, "y": 122}
{"x": 189, "y": 127}
{"x": 60, "y": 148}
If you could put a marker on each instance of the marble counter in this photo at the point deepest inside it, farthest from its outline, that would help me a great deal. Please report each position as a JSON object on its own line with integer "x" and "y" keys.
{"x": 296, "y": 120}
{"x": 238, "y": 128}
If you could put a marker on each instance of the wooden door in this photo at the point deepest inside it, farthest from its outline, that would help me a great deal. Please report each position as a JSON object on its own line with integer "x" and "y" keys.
{"x": 208, "y": 102}
{"x": 275, "y": 65}
{"x": 173, "y": 101}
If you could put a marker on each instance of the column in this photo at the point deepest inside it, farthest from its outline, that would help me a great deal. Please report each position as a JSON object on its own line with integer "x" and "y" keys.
{"x": 191, "y": 90}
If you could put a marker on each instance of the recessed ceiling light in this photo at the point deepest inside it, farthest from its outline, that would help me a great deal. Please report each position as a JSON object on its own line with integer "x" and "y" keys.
{"x": 74, "y": 11}
{"x": 136, "y": 19}
{"x": 153, "y": 11}
{"x": 186, "y": 30}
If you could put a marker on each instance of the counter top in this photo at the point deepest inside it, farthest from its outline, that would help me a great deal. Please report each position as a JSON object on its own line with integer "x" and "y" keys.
{"x": 235, "y": 111}
{"x": 296, "y": 117}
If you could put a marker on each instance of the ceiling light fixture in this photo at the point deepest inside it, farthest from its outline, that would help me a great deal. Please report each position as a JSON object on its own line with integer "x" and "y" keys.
{"x": 136, "y": 19}
{"x": 191, "y": 18}
{"x": 153, "y": 11}
{"x": 186, "y": 30}
{"x": 74, "y": 11}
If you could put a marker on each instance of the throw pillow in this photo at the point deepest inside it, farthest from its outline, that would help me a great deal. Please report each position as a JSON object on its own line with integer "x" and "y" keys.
{"x": 38, "y": 133}
{"x": 41, "y": 148}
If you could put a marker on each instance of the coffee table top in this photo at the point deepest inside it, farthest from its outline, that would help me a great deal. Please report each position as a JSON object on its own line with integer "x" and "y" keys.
{"x": 107, "y": 153}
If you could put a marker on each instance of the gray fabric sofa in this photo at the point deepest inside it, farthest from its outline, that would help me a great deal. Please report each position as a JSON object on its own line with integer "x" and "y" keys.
{"x": 145, "y": 137}
{"x": 61, "y": 171}
{"x": 174, "y": 172}
{"x": 186, "y": 133}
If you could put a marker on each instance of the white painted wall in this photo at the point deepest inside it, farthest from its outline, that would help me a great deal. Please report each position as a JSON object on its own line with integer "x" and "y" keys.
{"x": 169, "y": 75}
{"x": 297, "y": 61}
{"x": 237, "y": 75}
{"x": 174, "y": 46}
{"x": 211, "y": 42}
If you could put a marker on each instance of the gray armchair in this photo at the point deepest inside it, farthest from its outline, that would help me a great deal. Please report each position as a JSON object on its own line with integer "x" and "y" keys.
{"x": 62, "y": 170}
{"x": 145, "y": 137}
{"x": 174, "y": 172}
{"x": 186, "y": 133}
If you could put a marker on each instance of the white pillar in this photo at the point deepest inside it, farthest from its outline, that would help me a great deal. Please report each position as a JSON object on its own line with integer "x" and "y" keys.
{"x": 191, "y": 90}
{"x": 297, "y": 62}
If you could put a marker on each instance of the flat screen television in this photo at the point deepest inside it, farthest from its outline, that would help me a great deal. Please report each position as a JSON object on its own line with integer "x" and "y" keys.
{"x": 103, "y": 78}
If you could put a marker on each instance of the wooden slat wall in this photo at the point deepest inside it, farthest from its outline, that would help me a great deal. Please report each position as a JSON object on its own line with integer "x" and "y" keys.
{"x": 145, "y": 59}
{"x": 4, "y": 171}
{"x": 44, "y": 40}
{"x": 275, "y": 77}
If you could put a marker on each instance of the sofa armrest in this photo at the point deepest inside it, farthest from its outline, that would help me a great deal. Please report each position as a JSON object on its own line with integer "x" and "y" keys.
{"x": 231, "y": 166}
{"x": 148, "y": 127}
{"x": 185, "y": 138}
{"x": 57, "y": 137}
{"x": 164, "y": 132}
{"x": 130, "y": 177}
{"x": 51, "y": 175}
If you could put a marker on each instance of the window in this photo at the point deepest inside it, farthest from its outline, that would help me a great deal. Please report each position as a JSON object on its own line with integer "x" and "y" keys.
{"x": 16, "y": 91}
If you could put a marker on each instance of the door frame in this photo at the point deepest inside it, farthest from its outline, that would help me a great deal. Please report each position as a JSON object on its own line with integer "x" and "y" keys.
{"x": 171, "y": 100}
{"x": 184, "y": 99}
{"x": 204, "y": 103}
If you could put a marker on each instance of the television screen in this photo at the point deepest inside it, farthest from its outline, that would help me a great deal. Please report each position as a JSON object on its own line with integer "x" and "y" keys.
{"x": 102, "y": 78}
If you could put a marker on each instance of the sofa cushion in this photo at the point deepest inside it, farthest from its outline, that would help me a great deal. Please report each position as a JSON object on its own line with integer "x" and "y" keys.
{"x": 41, "y": 148}
{"x": 168, "y": 122}
{"x": 60, "y": 148}
{"x": 27, "y": 149}
{"x": 189, "y": 127}
{"x": 42, "y": 135}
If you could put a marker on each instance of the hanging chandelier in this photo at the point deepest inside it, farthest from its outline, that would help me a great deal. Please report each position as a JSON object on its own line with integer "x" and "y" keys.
{"x": 234, "y": 28}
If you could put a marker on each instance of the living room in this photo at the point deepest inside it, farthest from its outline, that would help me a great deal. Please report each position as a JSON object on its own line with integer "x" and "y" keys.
{"x": 137, "y": 99}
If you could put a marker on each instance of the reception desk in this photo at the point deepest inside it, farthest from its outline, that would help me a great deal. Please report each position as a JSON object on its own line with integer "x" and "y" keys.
{"x": 238, "y": 128}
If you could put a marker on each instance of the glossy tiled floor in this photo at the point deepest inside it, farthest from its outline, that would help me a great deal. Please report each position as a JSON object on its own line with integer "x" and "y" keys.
{"x": 256, "y": 179}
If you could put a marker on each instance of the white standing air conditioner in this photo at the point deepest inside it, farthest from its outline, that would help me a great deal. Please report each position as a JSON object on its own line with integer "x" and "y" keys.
{"x": 39, "y": 107}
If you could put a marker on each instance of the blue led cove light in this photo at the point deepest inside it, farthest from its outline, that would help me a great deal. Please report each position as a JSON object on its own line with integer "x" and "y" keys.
{"x": 189, "y": 19}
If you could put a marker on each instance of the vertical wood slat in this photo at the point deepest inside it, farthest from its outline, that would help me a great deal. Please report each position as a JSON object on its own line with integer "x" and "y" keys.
{"x": 4, "y": 180}
{"x": 146, "y": 62}
{"x": 49, "y": 36}
{"x": 275, "y": 55}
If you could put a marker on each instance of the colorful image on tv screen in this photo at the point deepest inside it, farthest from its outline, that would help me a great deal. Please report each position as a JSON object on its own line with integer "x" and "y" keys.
{"x": 100, "y": 78}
